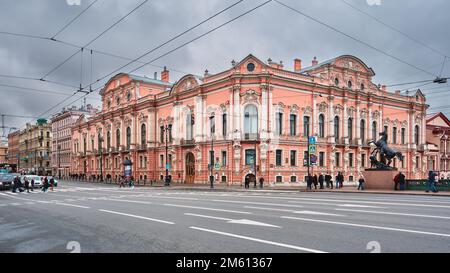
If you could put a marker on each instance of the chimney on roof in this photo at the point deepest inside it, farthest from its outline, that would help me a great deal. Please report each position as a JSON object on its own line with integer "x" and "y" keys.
{"x": 383, "y": 87}
{"x": 314, "y": 61}
{"x": 297, "y": 65}
{"x": 165, "y": 75}
{"x": 155, "y": 75}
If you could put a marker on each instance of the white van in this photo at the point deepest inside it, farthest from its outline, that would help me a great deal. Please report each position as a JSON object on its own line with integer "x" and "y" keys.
{"x": 38, "y": 183}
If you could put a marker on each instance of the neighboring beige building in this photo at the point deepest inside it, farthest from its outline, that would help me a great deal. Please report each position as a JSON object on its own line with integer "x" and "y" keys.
{"x": 3, "y": 154}
{"x": 438, "y": 141}
{"x": 35, "y": 148}
{"x": 62, "y": 137}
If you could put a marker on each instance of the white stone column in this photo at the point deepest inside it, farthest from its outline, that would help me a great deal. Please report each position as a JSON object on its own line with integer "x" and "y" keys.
{"x": 238, "y": 113}
{"x": 199, "y": 119}
{"x": 314, "y": 116}
{"x": 329, "y": 126}
{"x": 264, "y": 117}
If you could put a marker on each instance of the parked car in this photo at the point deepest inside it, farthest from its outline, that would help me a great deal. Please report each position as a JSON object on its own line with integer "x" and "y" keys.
{"x": 38, "y": 183}
{"x": 6, "y": 180}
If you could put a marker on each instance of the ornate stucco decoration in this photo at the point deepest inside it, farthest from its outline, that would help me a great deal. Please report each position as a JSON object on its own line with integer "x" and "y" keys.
{"x": 338, "y": 109}
{"x": 307, "y": 110}
{"x": 351, "y": 111}
{"x": 294, "y": 108}
{"x": 250, "y": 96}
{"x": 322, "y": 107}
{"x": 404, "y": 124}
{"x": 364, "y": 113}
{"x": 375, "y": 114}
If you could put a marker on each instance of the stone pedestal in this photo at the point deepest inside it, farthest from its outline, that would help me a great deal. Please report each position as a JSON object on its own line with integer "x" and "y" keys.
{"x": 377, "y": 179}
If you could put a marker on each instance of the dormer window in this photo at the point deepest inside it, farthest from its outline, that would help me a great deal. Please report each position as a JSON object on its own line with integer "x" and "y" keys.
{"x": 336, "y": 81}
{"x": 128, "y": 96}
{"x": 117, "y": 100}
{"x": 108, "y": 104}
{"x": 362, "y": 86}
{"x": 250, "y": 67}
{"x": 349, "y": 84}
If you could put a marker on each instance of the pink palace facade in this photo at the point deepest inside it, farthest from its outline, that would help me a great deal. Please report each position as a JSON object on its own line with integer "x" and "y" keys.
{"x": 253, "y": 105}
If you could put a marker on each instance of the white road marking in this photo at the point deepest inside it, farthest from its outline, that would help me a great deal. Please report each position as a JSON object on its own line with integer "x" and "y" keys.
{"x": 129, "y": 201}
{"x": 169, "y": 197}
{"x": 359, "y": 206}
{"x": 284, "y": 210}
{"x": 259, "y": 240}
{"x": 396, "y": 213}
{"x": 368, "y": 226}
{"x": 234, "y": 221}
{"x": 207, "y": 216}
{"x": 137, "y": 216}
{"x": 15, "y": 204}
{"x": 372, "y": 202}
{"x": 316, "y": 213}
{"x": 71, "y": 205}
{"x": 213, "y": 209}
{"x": 257, "y": 203}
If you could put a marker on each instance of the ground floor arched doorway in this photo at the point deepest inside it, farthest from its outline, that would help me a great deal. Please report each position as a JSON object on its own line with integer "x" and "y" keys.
{"x": 190, "y": 168}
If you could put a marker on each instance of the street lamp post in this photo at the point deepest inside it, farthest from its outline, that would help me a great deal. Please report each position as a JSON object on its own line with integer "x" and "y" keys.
{"x": 59, "y": 161}
{"x": 100, "y": 139}
{"x": 211, "y": 175}
{"x": 167, "y": 178}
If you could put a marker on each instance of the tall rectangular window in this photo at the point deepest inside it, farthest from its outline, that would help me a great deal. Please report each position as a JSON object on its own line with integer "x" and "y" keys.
{"x": 212, "y": 124}
{"x": 403, "y": 131}
{"x": 170, "y": 133}
{"x": 337, "y": 157}
{"x": 224, "y": 125}
{"x": 161, "y": 160}
{"x": 321, "y": 159}
{"x": 161, "y": 134}
{"x": 249, "y": 157}
{"x": 394, "y": 135}
{"x": 278, "y": 158}
{"x": 363, "y": 160}
{"x": 350, "y": 159}
{"x": 224, "y": 158}
{"x": 293, "y": 124}
{"x": 417, "y": 162}
{"x": 293, "y": 158}
{"x": 306, "y": 126}
{"x": 279, "y": 124}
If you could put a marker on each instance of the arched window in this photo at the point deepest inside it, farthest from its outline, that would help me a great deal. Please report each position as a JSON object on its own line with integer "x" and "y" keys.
{"x": 362, "y": 131}
{"x": 189, "y": 126}
{"x": 108, "y": 140}
{"x": 336, "y": 81}
{"x": 118, "y": 138}
{"x": 362, "y": 87}
{"x": 250, "y": 121}
{"x": 336, "y": 128}
{"x": 128, "y": 140}
{"x": 143, "y": 134}
{"x": 416, "y": 134}
{"x": 321, "y": 125}
{"x": 349, "y": 84}
{"x": 84, "y": 145}
{"x": 350, "y": 129}
{"x": 374, "y": 130}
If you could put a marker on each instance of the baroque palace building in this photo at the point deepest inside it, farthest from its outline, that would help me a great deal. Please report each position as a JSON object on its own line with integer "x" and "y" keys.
{"x": 254, "y": 109}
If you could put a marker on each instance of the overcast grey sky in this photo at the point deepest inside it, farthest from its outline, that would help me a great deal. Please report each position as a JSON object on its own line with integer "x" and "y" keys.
{"x": 271, "y": 31}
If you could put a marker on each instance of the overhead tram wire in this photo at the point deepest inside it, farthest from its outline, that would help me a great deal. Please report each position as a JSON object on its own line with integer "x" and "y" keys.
{"x": 73, "y": 20}
{"x": 174, "y": 38}
{"x": 355, "y": 39}
{"x": 395, "y": 29}
{"x": 36, "y": 79}
{"x": 95, "y": 39}
{"x": 245, "y": 13}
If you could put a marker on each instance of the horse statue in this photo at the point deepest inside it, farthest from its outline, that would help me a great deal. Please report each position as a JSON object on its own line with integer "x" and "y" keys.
{"x": 386, "y": 153}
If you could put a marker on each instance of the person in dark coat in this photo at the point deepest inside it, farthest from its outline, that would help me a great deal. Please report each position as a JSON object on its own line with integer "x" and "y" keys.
{"x": 402, "y": 181}
{"x": 315, "y": 181}
{"x": 27, "y": 185}
{"x": 261, "y": 182}
{"x": 52, "y": 183}
{"x": 321, "y": 179}
{"x": 309, "y": 182}
{"x": 32, "y": 184}
{"x": 328, "y": 181}
{"x": 431, "y": 182}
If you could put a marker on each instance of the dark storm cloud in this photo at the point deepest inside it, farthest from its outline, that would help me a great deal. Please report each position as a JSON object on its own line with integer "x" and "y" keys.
{"x": 271, "y": 31}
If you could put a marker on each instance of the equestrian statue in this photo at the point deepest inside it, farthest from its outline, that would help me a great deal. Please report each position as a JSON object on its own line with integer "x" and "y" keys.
{"x": 386, "y": 153}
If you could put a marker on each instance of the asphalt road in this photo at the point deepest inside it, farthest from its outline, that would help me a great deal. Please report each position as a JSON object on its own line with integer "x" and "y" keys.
{"x": 103, "y": 218}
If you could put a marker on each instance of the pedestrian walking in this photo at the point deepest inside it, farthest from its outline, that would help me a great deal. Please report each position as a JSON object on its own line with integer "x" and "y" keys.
{"x": 131, "y": 182}
{"x": 309, "y": 182}
{"x": 321, "y": 180}
{"x": 27, "y": 185}
{"x": 337, "y": 181}
{"x": 341, "y": 180}
{"x": 361, "y": 182}
{"x": 121, "y": 182}
{"x": 396, "y": 181}
{"x": 402, "y": 181}
{"x": 261, "y": 182}
{"x": 431, "y": 182}
{"x": 45, "y": 185}
{"x": 32, "y": 184}
{"x": 52, "y": 183}
{"x": 329, "y": 180}
{"x": 315, "y": 181}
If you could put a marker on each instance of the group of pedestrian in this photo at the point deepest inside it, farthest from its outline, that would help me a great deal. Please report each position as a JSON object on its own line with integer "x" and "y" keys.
{"x": 126, "y": 181}
{"x": 29, "y": 185}
{"x": 47, "y": 183}
{"x": 324, "y": 180}
{"x": 431, "y": 182}
{"x": 399, "y": 182}
{"x": 252, "y": 179}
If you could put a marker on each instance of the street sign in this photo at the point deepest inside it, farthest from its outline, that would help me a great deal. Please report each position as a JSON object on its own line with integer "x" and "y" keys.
{"x": 312, "y": 149}
{"x": 168, "y": 166}
{"x": 312, "y": 140}
{"x": 217, "y": 166}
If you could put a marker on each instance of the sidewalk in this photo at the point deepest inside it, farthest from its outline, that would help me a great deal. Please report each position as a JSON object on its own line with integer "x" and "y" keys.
{"x": 346, "y": 189}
